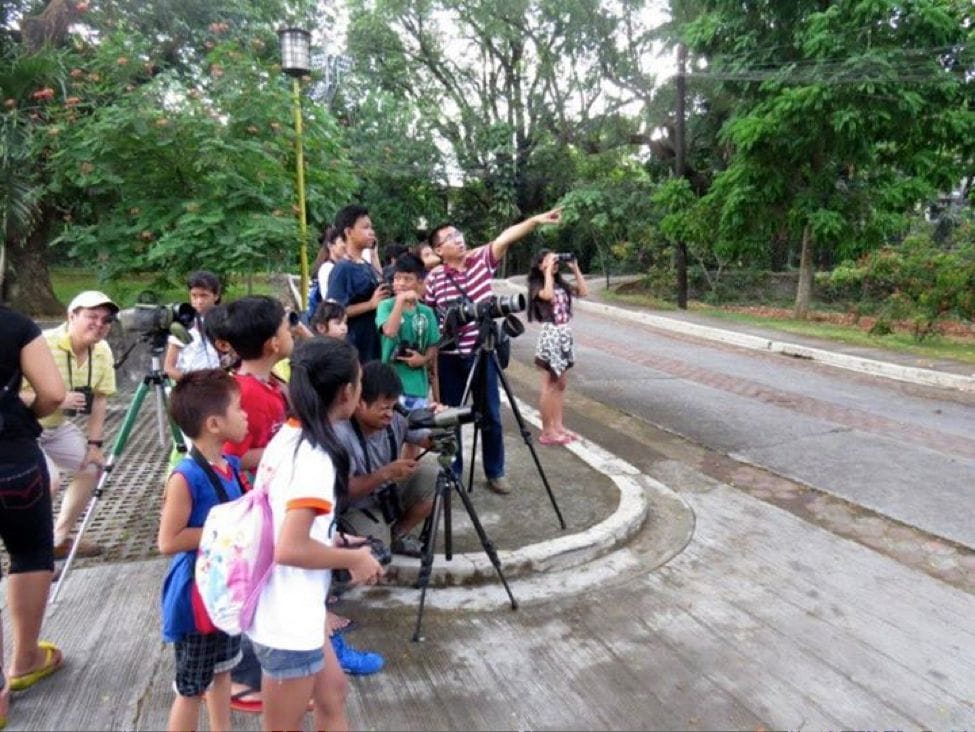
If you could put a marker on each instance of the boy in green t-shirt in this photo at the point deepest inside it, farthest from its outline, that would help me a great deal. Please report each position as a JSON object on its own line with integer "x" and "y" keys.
{"x": 409, "y": 331}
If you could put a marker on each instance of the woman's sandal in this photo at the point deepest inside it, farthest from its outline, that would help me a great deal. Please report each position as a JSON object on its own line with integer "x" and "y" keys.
{"x": 53, "y": 660}
{"x": 4, "y": 701}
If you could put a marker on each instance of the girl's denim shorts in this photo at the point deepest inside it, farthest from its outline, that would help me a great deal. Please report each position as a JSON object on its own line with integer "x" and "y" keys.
{"x": 279, "y": 663}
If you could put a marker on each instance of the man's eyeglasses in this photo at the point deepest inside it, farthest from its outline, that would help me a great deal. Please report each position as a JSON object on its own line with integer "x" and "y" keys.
{"x": 452, "y": 236}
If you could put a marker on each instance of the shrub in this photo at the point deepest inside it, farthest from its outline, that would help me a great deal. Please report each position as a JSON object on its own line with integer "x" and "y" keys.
{"x": 918, "y": 280}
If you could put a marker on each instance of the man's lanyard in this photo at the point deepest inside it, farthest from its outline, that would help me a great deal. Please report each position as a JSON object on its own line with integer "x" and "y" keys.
{"x": 365, "y": 448}
{"x": 68, "y": 356}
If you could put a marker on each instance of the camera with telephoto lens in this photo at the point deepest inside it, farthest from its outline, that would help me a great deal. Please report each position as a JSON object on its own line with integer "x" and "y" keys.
{"x": 495, "y": 306}
{"x": 379, "y": 550}
{"x": 89, "y": 398}
{"x": 564, "y": 257}
{"x": 458, "y": 313}
{"x": 154, "y": 320}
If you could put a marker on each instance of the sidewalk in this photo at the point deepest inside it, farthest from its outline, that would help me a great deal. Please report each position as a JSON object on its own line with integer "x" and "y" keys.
{"x": 690, "y": 606}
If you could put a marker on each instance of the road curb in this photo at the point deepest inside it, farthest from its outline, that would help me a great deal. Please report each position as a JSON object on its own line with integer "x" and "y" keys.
{"x": 860, "y": 364}
{"x": 561, "y": 553}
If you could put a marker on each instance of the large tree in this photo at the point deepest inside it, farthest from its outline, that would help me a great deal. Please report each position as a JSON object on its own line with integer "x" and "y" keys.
{"x": 850, "y": 114}
{"x": 164, "y": 142}
{"x": 495, "y": 80}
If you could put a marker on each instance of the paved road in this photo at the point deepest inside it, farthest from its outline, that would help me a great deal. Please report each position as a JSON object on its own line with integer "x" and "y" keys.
{"x": 904, "y": 451}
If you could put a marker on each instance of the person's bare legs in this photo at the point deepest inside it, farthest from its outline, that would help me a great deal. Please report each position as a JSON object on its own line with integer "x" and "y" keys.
{"x": 73, "y": 504}
{"x": 218, "y": 702}
{"x": 558, "y": 404}
{"x": 5, "y": 692}
{"x": 286, "y": 701}
{"x": 546, "y": 405}
{"x": 185, "y": 714}
{"x": 330, "y": 694}
{"x": 27, "y": 599}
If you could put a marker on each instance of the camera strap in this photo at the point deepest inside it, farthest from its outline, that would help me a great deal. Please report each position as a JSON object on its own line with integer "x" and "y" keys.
{"x": 212, "y": 475}
{"x": 390, "y": 436}
{"x": 68, "y": 356}
{"x": 365, "y": 454}
{"x": 456, "y": 284}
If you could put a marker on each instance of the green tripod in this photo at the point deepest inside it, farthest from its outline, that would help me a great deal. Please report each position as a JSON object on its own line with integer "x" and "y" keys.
{"x": 154, "y": 380}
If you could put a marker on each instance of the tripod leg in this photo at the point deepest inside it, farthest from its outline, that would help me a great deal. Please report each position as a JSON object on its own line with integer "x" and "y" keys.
{"x": 117, "y": 447}
{"x": 175, "y": 432}
{"x": 486, "y": 542}
{"x": 448, "y": 525}
{"x": 527, "y": 437}
{"x": 426, "y": 562}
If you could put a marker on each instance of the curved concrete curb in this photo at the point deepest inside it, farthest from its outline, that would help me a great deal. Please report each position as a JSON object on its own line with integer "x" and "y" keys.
{"x": 564, "y": 552}
{"x": 911, "y": 374}
{"x": 570, "y": 565}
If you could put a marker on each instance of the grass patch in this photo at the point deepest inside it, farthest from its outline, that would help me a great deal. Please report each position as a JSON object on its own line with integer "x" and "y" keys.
{"x": 933, "y": 348}
{"x": 69, "y": 281}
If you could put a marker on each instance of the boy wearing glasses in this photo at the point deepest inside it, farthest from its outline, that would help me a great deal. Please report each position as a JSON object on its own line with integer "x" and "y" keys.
{"x": 86, "y": 364}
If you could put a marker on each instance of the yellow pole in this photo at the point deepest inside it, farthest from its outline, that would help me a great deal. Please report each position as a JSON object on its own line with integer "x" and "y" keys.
{"x": 302, "y": 213}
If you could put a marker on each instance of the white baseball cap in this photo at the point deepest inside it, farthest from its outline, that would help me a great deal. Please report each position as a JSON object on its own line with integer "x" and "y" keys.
{"x": 91, "y": 299}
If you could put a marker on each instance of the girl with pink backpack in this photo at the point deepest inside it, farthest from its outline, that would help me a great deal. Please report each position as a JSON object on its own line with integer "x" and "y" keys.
{"x": 305, "y": 471}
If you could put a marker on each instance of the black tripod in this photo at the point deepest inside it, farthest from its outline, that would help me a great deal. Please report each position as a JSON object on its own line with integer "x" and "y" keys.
{"x": 154, "y": 379}
{"x": 477, "y": 388}
{"x": 446, "y": 445}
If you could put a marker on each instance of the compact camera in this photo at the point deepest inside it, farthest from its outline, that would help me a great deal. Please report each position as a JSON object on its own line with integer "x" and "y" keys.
{"x": 89, "y": 398}
{"x": 565, "y": 257}
{"x": 379, "y": 550}
{"x": 403, "y": 349}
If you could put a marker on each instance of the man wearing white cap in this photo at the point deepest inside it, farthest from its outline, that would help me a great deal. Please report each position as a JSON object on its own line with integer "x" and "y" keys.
{"x": 87, "y": 366}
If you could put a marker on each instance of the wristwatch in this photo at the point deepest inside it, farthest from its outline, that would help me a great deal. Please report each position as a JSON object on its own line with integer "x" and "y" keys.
{"x": 96, "y": 443}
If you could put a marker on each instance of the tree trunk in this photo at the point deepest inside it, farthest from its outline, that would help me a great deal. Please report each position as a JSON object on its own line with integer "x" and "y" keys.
{"x": 804, "y": 289}
{"x": 27, "y": 284}
{"x": 27, "y": 280}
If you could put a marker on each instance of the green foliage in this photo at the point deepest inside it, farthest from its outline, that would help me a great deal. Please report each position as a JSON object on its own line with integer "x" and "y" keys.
{"x": 177, "y": 173}
{"x": 917, "y": 280}
{"x": 611, "y": 211}
{"x": 846, "y": 116}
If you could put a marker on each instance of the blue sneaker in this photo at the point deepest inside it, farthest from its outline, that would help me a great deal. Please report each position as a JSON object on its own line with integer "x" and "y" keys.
{"x": 353, "y": 662}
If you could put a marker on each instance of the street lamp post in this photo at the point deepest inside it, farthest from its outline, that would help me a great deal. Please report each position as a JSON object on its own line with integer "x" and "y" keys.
{"x": 296, "y": 62}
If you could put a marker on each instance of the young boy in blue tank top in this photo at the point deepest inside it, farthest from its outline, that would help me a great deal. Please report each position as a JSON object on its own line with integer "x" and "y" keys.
{"x": 205, "y": 404}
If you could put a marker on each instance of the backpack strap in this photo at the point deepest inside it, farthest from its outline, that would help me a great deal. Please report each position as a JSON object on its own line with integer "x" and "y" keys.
{"x": 211, "y": 474}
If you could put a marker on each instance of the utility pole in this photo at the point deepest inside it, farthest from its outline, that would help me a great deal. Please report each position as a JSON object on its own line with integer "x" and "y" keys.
{"x": 679, "y": 169}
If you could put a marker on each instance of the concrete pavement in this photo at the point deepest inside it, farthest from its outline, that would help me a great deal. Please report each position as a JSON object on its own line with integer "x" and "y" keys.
{"x": 691, "y": 605}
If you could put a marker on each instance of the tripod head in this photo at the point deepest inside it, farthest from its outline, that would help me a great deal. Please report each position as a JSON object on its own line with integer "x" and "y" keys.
{"x": 445, "y": 445}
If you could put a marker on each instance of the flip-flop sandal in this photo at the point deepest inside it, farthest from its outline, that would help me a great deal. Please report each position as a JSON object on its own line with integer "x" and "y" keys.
{"x": 250, "y": 706}
{"x": 53, "y": 660}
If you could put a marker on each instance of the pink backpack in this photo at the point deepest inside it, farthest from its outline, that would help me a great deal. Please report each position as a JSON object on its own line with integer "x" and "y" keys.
{"x": 235, "y": 559}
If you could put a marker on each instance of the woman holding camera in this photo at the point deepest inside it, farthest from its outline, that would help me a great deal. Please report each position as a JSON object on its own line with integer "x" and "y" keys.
{"x": 550, "y": 302}
{"x": 25, "y": 499}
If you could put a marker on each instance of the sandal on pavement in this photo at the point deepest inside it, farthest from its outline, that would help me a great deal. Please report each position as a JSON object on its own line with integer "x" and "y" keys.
{"x": 253, "y": 706}
{"x": 53, "y": 660}
{"x": 4, "y": 701}
{"x": 250, "y": 706}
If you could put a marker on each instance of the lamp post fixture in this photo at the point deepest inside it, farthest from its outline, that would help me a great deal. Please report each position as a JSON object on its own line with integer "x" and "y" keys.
{"x": 295, "y": 46}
